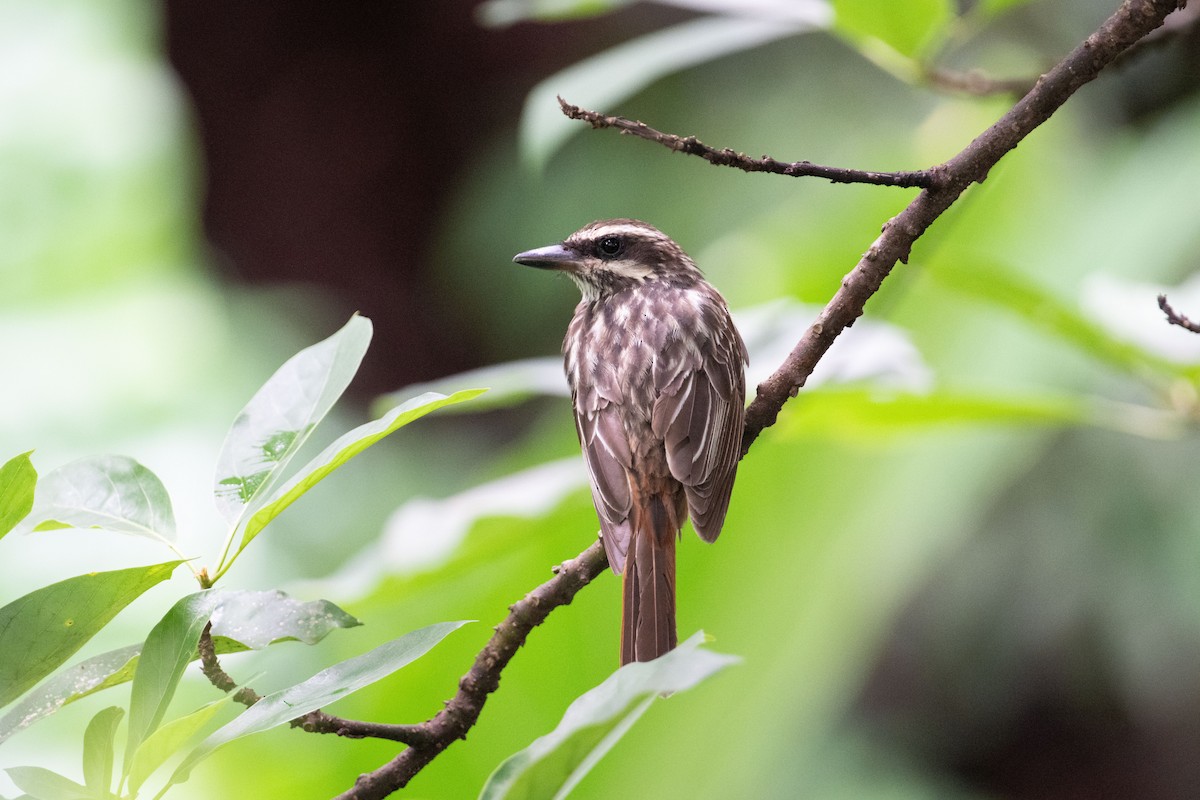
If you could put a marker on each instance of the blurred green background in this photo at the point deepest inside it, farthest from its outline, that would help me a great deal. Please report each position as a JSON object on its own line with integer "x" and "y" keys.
{"x": 981, "y": 581}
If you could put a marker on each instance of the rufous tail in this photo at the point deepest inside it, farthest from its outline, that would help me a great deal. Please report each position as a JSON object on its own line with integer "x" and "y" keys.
{"x": 648, "y": 582}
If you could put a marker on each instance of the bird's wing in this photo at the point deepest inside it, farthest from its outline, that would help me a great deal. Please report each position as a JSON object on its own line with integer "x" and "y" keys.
{"x": 606, "y": 453}
{"x": 699, "y": 414}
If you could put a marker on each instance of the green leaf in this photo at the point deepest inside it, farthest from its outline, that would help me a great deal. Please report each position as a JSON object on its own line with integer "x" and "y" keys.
{"x": 17, "y": 481}
{"x": 603, "y": 80}
{"x": 320, "y": 690}
{"x": 71, "y": 684}
{"x": 44, "y": 784}
{"x": 282, "y": 414}
{"x": 168, "y": 740}
{"x": 115, "y": 493}
{"x": 908, "y": 27}
{"x": 870, "y": 415}
{"x": 98, "y": 750}
{"x": 242, "y": 621}
{"x": 509, "y": 384}
{"x": 342, "y": 450}
{"x": 555, "y": 763}
{"x": 169, "y": 648}
{"x": 41, "y": 630}
{"x": 502, "y": 13}
{"x": 999, "y": 6}
{"x": 257, "y": 619}
{"x": 866, "y": 414}
{"x": 1007, "y": 289}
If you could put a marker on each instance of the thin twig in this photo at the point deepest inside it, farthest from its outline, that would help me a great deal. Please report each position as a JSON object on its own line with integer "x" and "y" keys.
{"x": 977, "y": 83}
{"x": 1175, "y": 318}
{"x": 314, "y": 721}
{"x": 217, "y": 676}
{"x": 730, "y": 158}
{"x": 320, "y": 722}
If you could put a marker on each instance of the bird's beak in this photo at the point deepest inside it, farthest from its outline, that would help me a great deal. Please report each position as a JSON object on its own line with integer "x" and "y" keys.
{"x": 555, "y": 256}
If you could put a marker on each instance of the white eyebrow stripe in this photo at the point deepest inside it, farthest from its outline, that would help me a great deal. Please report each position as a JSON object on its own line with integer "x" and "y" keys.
{"x": 626, "y": 229}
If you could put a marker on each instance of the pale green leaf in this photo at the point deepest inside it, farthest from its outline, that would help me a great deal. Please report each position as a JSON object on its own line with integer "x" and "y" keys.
{"x": 604, "y": 80}
{"x": 257, "y": 619}
{"x": 282, "y": 414}
{"x": 44, "y": 784}
{"x": 170, "y": 739}
{"x": 509, "y": 384}
{"x": 98, "y": 749}
{"x": 18, "y": 479}
{"x": 322, "y": 689}
{"x": 554, "y": 764}
{"x": 41, "y": 630}
{"x": 77, "y": 681}
{"x": 870, "y": 415}
{"x": 342, "y": 450}
{"x": 908, "y": 27}
{"x": 502, "y": 13}
{"x": 1015, "y": 293}
{"x": 243, "y": 620}
{"x": 169, "y": 648}
{"x": 115, "y": 493}
{"x": 999, "y": 6}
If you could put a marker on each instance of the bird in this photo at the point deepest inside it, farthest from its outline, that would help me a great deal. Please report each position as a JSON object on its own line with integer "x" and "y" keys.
{"x": 656, "y": 369}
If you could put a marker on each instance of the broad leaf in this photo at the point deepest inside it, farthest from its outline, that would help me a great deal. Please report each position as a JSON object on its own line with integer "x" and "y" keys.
{"x": 320, "y": 690}
{"x": 501, "y": 13}
{"x": 554, "y": 764}
{"x": 170, "y": 739}
{"x": 44, "y": 784}
{"x": 999, "y": 6}
{"x": 342, "y": 450}
{"x": 282, "y": 414}
{"x": 115, "y": 493}
{"x": 169, "y": 648}
{"x": 71, "y": 684}
{"x": 243, "y": 620}
{"x": 868, "y": 415}
{"x": 98, "y": 750}
{"x": 908, "y": 27}
{"x": 256, "y": 619}
{"x": 1039, "y": 307}
{"x": 17, "y": 481}
{"x": 604, "y": 80}
{"x": 41, "y": 630}
{"x": 509, "y": 384}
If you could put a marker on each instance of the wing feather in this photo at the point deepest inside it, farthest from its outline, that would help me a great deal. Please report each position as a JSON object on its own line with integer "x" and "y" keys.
{"x": 701, "y": 424}
{"x": 608, "y": 459}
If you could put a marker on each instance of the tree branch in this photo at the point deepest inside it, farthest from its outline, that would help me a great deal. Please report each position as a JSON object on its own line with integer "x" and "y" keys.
{"x": 1133, "y": 20}
{"x": 941, "y": 187}
{"x": 456, "y": 719}
{"x": 1175, "y": 318}
{"x": 314, "y": 721}
{"x": 730, "y": 158}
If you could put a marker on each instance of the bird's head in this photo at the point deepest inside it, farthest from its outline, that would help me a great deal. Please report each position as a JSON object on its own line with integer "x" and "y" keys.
{"x": 610, "y": 255}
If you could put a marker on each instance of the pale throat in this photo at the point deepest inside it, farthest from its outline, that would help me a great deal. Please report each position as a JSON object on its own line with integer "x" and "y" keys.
{"x": 621, "y": 272}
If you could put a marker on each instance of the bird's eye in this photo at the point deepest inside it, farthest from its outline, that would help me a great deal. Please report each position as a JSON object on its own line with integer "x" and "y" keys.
{"x": 610, "y": 247}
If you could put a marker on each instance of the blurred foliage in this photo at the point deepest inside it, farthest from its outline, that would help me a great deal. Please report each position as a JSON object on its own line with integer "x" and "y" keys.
{"x": 1030, "y": 513}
